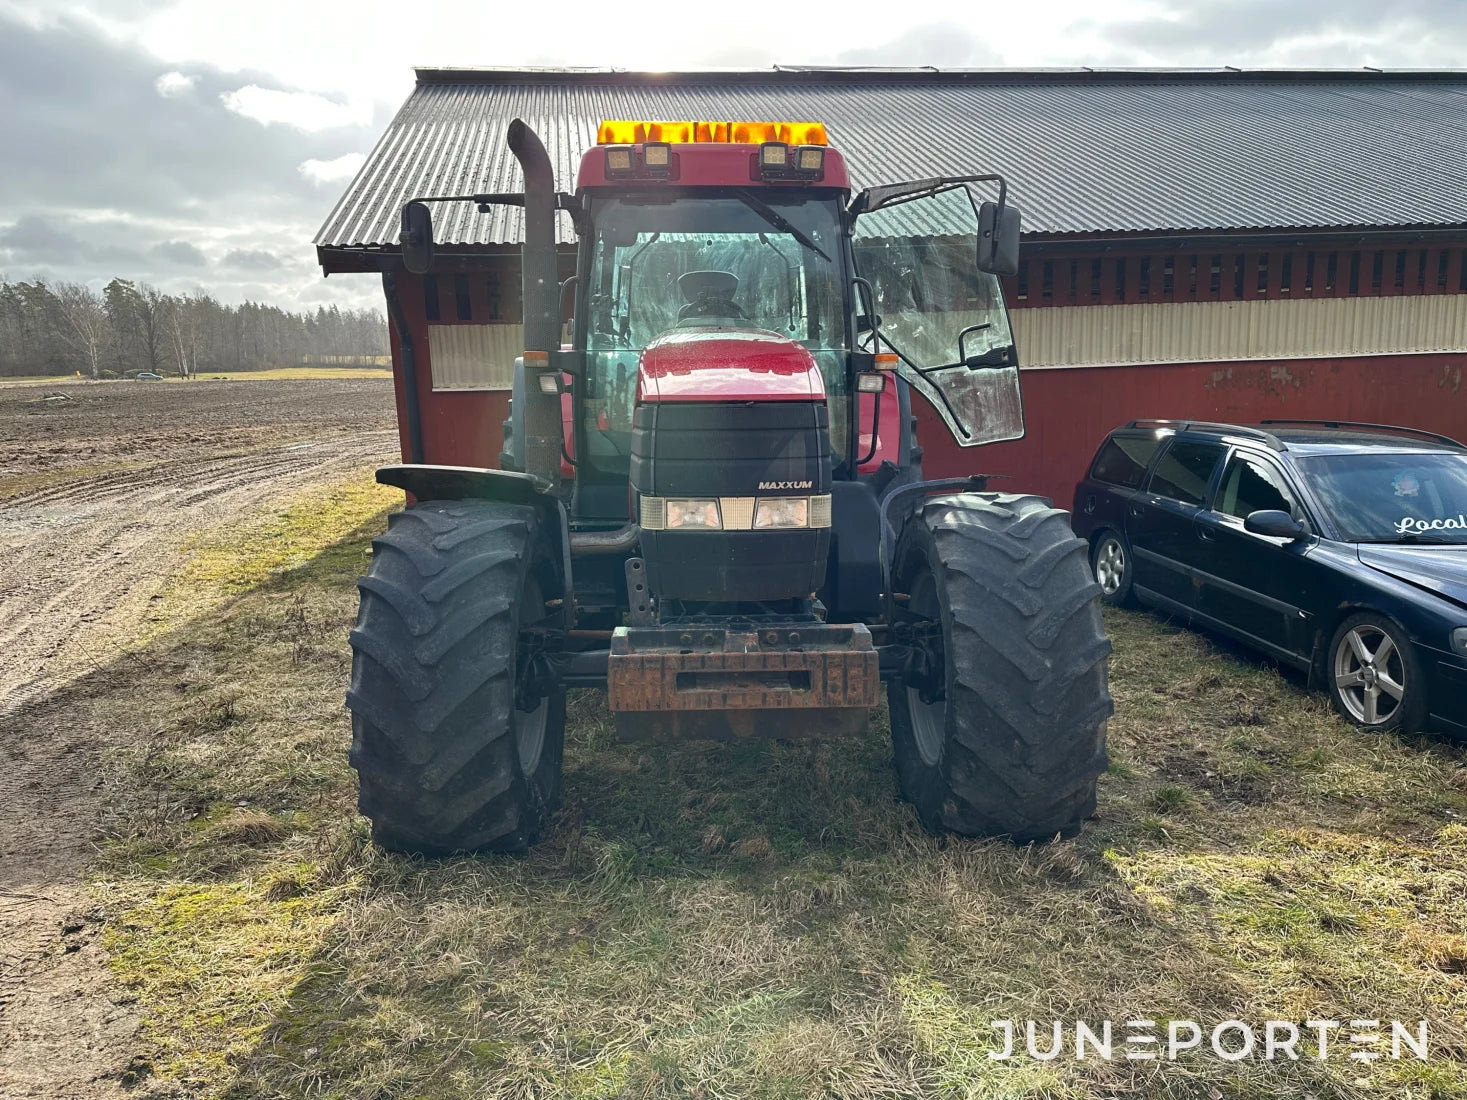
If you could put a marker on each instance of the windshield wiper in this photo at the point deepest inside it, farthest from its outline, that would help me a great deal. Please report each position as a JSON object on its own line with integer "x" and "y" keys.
{"x": 780, "y": 222}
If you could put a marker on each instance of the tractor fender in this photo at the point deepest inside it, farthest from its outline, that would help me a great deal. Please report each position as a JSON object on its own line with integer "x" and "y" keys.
{"x": 902, "y": 502}
{"x": 428, "y": 482}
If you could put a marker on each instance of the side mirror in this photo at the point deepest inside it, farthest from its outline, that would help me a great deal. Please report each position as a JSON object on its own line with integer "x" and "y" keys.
{"x": 1274, "y": 524}
{"x": 416, "y": 238}
{"x": 998, "y": 238}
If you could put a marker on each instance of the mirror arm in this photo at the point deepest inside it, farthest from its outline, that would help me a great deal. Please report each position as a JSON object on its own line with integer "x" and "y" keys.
{"x": 921, "y": 189}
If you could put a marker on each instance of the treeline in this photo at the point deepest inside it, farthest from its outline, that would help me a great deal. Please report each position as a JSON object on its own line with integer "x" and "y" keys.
{"x": 61, "y": 328}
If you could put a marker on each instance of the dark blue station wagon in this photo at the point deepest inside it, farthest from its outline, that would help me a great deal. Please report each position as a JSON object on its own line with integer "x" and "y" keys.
{"x": 1337, "y": 548}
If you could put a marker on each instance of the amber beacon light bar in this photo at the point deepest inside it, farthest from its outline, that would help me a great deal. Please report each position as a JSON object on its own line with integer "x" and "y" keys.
{"x": 786, "y": 149}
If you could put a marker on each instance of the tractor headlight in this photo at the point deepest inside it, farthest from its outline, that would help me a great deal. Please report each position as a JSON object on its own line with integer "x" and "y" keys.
{"x": 782, "y": 512}
{"x": 693, "y": 514}
{"x": 1459, "y": 641}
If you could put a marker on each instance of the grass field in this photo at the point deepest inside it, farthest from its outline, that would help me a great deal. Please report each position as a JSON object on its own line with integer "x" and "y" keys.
{"x": 755, "y": 920}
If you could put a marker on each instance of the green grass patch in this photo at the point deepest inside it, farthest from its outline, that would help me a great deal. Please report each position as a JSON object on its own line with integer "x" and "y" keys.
{"x": 226, "y": 561}
{"x": 757, "y": 919}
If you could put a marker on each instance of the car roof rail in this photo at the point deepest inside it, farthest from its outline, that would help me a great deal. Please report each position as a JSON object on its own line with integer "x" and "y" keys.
{"x": 1436, "y": 436}
{"x": 1272, "y": 441}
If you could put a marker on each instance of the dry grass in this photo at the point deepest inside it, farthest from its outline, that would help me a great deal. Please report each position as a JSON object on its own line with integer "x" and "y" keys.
{"x": 766, "y": 920}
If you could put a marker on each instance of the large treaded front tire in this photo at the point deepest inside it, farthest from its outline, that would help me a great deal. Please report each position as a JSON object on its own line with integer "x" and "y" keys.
{"x": 1017, "y": 743}
{"x": 445, "y": 761}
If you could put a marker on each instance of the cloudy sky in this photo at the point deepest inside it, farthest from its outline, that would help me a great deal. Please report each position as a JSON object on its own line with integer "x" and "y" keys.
{"x": 202, "y": 143}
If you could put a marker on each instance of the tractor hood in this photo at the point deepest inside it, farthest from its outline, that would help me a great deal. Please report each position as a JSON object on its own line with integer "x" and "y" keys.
{"x": 1441, "y": 570}
{"x": 727, "y": 364}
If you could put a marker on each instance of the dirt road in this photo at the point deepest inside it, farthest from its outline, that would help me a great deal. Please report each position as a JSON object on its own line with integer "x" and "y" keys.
{"x": 81, "y": 555}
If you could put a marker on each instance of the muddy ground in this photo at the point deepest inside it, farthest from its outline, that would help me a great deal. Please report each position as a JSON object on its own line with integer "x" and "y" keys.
{"x": 102, "y": 494}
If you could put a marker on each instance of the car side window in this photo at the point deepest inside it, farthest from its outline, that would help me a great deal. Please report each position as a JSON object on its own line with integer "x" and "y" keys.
{"x": 1123, "y": 460}
{"x": 1249, "y": 485}
{"x": 1185, "y": 471}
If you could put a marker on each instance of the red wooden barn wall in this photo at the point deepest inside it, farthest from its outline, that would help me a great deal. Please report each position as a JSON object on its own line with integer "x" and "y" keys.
{"x": 1069, "y": 409}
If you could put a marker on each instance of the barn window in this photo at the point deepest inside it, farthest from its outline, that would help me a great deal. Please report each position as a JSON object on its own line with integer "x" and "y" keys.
{"x": 1354, "y": 273}
{"x": 1263, "y": 273}
{"x": 473, "y": 357}
{"x": 1120, "y": 280}
{"x": 1286, "y": 275}
{"x": 1331, "y": 270}
{"x": 461, "y": 298}
{"x": 1240, "y": 267}
{"x": 430, "y": 297}
{"x": 1309, "y": 272}
{"x": 1377, "y": 271}
{"x": 496, "y": 306}
{"x": 1047, "y": 285}
{"x": 1143, "y": 278}
{"x": 1168, "y": 276}
{"x": 1214, "y": 280}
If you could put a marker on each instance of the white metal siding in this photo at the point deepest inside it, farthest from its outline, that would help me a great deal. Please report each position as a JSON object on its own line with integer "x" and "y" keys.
{"x": 1200, "y": 332}
{"x": 474, "y": 357}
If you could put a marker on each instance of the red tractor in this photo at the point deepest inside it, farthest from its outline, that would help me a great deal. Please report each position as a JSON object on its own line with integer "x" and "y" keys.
{"x": 711, "y": 502}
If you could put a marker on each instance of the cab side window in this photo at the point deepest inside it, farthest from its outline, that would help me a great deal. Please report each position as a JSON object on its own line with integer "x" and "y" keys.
{"x": 1185, "y": 471}
{"x": 1123, "y": 460}
{"x": 1249, "y": 485}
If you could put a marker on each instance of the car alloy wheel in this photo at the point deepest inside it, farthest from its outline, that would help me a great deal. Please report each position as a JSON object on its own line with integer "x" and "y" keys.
{"x": 1370, "y": 675}
{"x": 1110, "y": 565}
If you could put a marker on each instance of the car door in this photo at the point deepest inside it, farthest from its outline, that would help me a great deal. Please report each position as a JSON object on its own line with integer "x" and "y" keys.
{"x": 1115, "y": 478}
{"x": 1160, "y": 521}
{"x": 1257, "y": 587}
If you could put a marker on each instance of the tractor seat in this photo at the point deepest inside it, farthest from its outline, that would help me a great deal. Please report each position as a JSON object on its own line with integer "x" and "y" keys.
{"x": 709, "y": 298}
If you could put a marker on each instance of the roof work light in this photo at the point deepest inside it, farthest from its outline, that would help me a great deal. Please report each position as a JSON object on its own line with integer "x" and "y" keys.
{"x": 657, "y": 158}
{"x": 619, "y": 160}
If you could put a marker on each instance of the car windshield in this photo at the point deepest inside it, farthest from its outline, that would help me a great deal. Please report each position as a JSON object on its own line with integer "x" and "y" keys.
{"x": 728, "y": 258}
{"x": 1392, "y": 497}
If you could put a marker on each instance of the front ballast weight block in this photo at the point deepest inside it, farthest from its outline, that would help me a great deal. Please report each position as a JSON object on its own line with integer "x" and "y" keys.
{"x": 745, "y": 680}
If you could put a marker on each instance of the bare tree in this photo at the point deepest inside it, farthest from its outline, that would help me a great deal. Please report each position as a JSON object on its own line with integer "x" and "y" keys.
{"x": 181, "y": 320}
{"x": 150, "y": 308}
{"x": 86, "y": 329}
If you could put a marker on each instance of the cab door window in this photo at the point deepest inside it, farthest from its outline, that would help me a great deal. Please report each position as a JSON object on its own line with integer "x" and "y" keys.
{"x": 944, "y": 318}
{"x": 1185, "y": 471}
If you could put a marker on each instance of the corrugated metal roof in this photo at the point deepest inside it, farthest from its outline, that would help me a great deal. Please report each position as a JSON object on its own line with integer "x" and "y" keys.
{"x": 1085, "y": 152}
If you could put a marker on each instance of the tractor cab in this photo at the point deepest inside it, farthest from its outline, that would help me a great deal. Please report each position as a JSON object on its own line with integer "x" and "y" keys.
{"x": 711, "y": 500}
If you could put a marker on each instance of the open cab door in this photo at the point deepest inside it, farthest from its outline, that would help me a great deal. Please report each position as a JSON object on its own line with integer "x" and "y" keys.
{"x": 933, "y": 298}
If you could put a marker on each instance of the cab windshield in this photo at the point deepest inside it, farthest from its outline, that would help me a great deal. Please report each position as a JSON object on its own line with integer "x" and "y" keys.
{"x": 1393, "y": 497}
{"x": 738, "y": 258}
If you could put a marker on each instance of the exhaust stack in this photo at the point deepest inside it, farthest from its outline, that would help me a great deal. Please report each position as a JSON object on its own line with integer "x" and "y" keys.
{"x": 541, "y": 301}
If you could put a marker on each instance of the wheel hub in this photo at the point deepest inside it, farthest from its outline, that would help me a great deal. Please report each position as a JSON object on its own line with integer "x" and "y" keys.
{"x": 1110, "y": 566}
{"x": 1369, "y": 675}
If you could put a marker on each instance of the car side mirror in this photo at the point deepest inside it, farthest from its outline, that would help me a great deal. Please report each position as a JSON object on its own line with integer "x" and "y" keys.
{"x": 998, "y": 238}
{"x": 416, "y": 238}
{"x": 1274, "y": 524}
